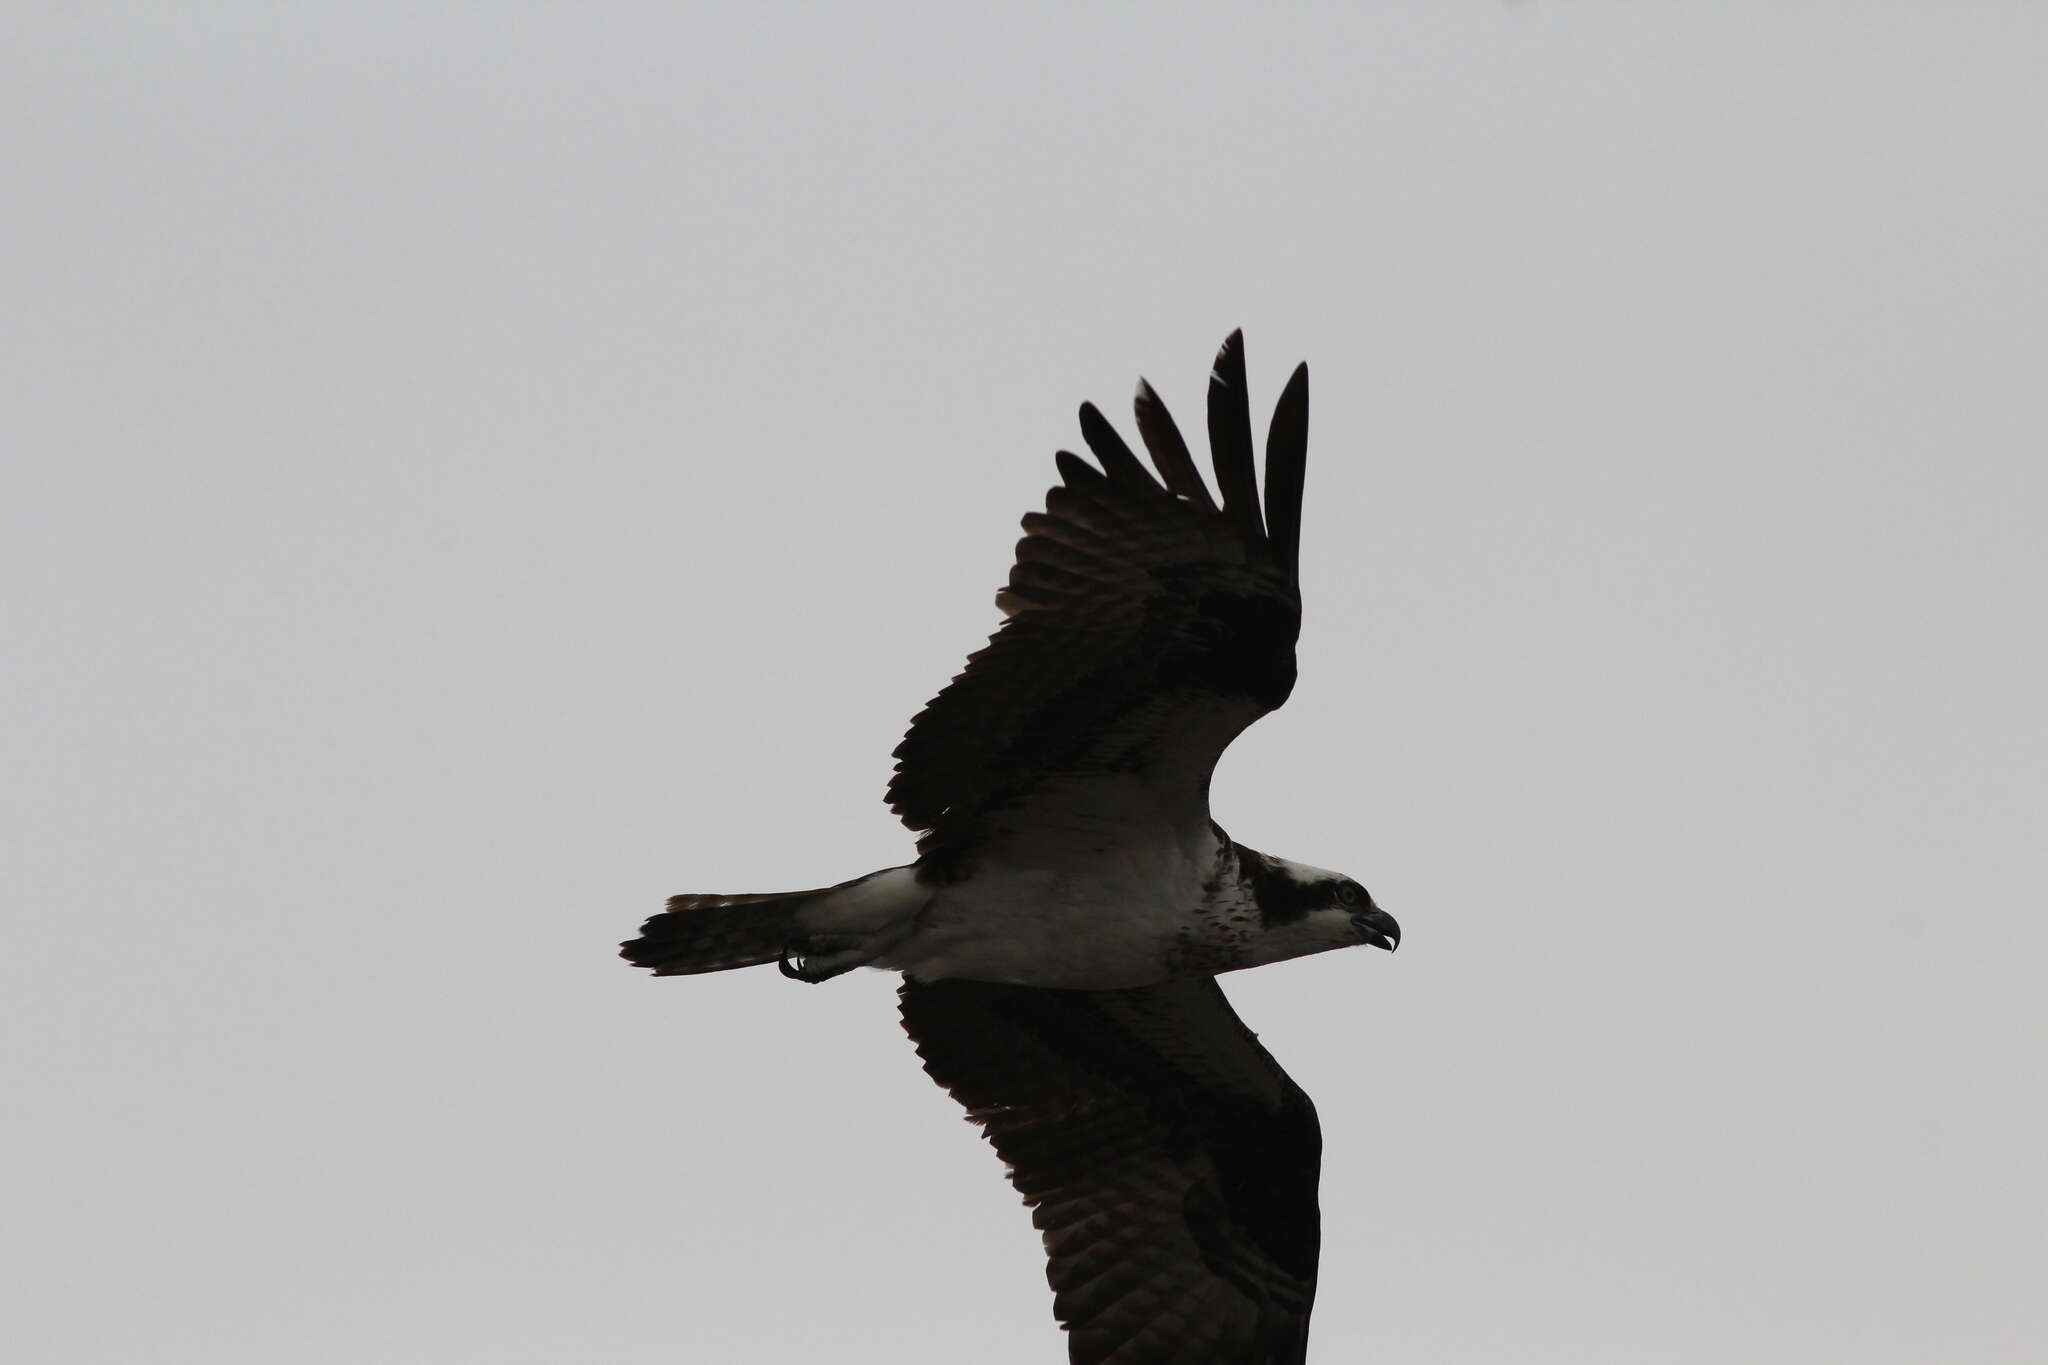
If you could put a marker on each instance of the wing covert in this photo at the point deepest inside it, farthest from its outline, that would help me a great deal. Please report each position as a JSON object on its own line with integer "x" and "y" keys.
{"x": 1147, "y": 625}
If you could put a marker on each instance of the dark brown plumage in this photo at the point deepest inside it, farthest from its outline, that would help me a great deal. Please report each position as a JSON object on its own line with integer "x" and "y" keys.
{"x": 1170, "y": 1163}
{"x": 1147, "y": 626}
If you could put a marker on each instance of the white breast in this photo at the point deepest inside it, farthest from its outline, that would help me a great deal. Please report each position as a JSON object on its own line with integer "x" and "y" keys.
{"x": 1099, "y": 902}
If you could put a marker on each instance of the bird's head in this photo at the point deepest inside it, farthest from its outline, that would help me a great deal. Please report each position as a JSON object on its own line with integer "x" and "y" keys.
{"x": 1374, "y": 925}
{"x": 1305, "y": 909}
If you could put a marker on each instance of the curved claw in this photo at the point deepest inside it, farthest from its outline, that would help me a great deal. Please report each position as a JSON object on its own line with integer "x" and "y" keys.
{"x": 800, "y": 952}
{"x": 791, "y": 962}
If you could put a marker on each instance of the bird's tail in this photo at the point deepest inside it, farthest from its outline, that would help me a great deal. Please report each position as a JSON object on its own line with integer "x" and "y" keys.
{"x": 813, "y": 934}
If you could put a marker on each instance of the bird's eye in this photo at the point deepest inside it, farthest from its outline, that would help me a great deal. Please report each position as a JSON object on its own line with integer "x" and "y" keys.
{"x": 1347, "y": 893}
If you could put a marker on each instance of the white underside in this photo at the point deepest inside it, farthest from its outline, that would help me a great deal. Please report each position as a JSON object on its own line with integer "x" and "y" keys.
{"x": 1102, "y": 885}
{"x": 1098, "y": 905}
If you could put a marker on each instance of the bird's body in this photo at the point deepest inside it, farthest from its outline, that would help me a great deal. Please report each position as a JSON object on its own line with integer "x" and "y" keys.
{"x": 1073, "y": 901}
{"x": 1087, "y": 908}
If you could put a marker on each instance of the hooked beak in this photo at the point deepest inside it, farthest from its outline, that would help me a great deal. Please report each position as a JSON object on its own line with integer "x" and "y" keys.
{"x": 1377, "y": 927}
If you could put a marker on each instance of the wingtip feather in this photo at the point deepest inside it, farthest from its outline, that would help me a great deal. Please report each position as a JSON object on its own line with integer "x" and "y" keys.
{"x": 1287, "y": 467}
{"x": 1077, "y": 472}
{"x": 1116, "y": 458}
{"x": 1169, "y": 449}
{"x": 1230, "y": 438}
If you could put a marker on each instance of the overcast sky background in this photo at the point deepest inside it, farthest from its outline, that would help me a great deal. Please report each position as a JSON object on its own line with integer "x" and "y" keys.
{"x": 473, "y": 470}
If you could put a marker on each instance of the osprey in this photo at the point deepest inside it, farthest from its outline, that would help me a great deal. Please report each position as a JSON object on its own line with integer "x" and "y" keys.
{"x": 1072, "y": 901}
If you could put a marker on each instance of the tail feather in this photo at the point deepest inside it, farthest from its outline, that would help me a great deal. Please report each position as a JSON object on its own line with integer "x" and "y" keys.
{"x": 820, "y": 933}
{"x": 716, "y": 933}
{"x": 814, "y": 934}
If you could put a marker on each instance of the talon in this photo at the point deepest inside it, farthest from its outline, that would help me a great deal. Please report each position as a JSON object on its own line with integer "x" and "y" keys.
{"x": 791, "y": 962}
{"x": 799, "y": 953}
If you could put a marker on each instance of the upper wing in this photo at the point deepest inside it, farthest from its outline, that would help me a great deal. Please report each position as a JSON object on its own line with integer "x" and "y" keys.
{"x": 1148, "y": 627}
{"x": 1170, "y": 1163}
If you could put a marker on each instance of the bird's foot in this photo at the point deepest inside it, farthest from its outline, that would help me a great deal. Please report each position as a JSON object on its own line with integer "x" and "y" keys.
{"x": 820, "y": 957}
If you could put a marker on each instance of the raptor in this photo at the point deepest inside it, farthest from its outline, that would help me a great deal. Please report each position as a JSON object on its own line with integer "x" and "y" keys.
{"x": 1072, "y": 901}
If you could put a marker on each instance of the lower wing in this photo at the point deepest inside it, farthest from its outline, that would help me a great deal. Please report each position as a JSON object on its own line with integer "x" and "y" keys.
{"x": 1168, "y": 1160}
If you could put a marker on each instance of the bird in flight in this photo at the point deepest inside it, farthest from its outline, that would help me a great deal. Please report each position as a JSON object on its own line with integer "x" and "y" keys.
{"x": 1072, "y": 901}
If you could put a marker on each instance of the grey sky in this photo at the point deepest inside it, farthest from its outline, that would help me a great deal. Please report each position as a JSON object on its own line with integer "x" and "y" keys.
{"x": 473, "y": 472}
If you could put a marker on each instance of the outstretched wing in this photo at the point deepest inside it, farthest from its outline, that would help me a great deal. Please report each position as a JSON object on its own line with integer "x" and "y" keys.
{"x": 1170, "y": 1163}
{"x": 1148, "y": 626}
